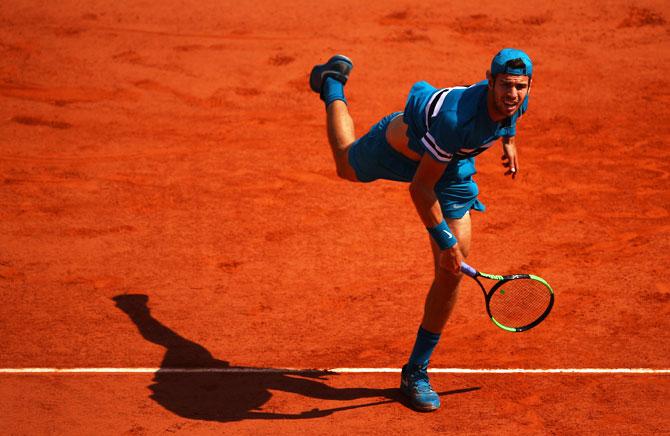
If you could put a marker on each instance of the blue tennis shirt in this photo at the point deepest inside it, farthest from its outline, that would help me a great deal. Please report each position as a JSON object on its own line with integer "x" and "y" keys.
{"x": 453, "y": 124}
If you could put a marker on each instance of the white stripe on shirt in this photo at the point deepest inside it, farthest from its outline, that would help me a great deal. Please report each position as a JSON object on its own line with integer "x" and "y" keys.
{"x": 437, "y": 152}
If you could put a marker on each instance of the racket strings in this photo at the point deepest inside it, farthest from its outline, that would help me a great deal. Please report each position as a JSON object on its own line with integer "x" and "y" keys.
{"x": 518, "y": 303}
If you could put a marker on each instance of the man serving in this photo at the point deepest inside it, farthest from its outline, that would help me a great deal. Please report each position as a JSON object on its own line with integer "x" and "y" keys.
{"x": 431, "y": 145}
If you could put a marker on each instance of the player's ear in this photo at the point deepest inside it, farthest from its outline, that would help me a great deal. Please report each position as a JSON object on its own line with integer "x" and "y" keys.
{"x": 489, "y": 78}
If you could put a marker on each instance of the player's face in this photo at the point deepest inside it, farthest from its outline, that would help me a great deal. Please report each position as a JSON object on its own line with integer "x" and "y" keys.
{"x": 508, "y": 93}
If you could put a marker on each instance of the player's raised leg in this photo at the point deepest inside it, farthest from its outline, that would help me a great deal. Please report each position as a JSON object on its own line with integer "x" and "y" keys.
{"x": 341, "y": 135}
{"x": 438, "y": 307}
{"x": 328, "y": 81}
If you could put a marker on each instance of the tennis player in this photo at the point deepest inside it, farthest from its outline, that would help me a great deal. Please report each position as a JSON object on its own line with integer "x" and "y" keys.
{"x": 431, "y": 145}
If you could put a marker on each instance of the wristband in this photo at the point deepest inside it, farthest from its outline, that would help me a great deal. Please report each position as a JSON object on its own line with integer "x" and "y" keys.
{"x": 442, "y": 235}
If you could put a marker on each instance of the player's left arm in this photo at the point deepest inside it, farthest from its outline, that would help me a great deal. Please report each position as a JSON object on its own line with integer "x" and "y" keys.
{"x": 510, "y": 158}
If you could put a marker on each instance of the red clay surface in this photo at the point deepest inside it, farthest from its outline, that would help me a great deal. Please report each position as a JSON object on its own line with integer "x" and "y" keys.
{"x": 174, "y": 150}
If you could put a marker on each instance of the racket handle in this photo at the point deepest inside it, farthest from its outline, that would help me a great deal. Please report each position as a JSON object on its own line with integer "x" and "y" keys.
{"x": 468, "y": 270}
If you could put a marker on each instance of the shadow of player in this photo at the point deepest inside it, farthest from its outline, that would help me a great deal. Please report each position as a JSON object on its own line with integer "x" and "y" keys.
{"x": 232, "y": 396}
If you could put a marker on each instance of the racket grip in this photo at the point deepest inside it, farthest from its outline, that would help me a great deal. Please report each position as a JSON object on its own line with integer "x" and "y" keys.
{"x": 468, "y": 270}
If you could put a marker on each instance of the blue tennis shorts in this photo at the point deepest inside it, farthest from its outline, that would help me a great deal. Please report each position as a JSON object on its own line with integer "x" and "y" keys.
{"x": 373, "y": 158}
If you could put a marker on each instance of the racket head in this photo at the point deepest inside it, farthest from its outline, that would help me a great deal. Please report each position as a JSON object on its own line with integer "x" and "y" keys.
{"x": 519, "y": 302}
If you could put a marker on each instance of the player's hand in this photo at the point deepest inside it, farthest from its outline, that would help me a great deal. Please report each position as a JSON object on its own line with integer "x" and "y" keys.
{"x": 451, "y": 259}
{"x": 510, "y": 159}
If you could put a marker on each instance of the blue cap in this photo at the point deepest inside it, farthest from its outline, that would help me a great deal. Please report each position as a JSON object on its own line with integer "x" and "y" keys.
{"x": 499, "y": 63}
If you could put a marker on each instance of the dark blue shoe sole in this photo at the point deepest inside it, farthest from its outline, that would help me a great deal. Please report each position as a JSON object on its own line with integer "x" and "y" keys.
{"x": 338, "y": 67}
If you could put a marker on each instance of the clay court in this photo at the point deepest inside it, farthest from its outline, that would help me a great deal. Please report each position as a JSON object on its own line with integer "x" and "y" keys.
{"x": 174, "y": 236}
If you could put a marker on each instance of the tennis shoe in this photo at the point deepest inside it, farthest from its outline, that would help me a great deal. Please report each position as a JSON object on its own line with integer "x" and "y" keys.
{"x": 414, "y": 384}
{"x": 338, "y": 67}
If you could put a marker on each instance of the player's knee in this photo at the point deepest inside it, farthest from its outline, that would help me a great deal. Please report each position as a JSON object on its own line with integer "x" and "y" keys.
{"x": 344, "y": 169}
{"x": 345, "y": 173}
{"x": 341, "y": 174}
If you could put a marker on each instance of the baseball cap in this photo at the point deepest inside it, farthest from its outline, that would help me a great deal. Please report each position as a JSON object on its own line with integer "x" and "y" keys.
{"x": 498, "y": 64}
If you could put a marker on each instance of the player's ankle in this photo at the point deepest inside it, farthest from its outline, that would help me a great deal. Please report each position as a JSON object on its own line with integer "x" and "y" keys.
{"x": 332, "y": 90}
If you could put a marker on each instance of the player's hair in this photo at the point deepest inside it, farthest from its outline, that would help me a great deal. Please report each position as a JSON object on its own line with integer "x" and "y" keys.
{"x": 515, "y": 63}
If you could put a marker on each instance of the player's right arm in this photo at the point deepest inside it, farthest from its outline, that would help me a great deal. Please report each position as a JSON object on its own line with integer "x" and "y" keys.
{"x": 422, "y": 191}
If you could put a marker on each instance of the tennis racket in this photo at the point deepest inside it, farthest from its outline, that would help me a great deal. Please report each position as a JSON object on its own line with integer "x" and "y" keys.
{"x": 515, "y": 303}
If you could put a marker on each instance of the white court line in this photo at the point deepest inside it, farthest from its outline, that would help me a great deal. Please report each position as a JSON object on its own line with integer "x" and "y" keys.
{"x": 242, "y": 370}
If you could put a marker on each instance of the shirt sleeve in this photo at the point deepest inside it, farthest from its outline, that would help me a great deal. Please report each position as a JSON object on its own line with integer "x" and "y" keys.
{"x": 442, "y": 140}
{"x": 510, "y": 131}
